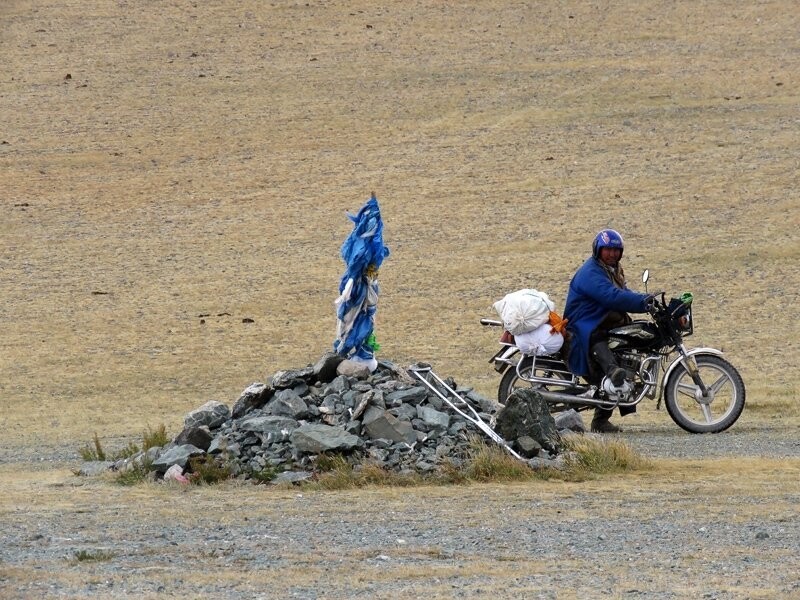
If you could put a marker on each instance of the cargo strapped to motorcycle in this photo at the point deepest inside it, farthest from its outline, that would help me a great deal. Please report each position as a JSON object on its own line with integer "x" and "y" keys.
{"x": 423, "y": 372}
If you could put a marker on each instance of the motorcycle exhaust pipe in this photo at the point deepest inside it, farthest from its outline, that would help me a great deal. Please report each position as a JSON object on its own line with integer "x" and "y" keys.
{"x": 557, "y": 397}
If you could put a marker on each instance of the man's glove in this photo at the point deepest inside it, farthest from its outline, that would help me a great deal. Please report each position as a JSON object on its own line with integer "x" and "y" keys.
{"x": 651, "y": 303}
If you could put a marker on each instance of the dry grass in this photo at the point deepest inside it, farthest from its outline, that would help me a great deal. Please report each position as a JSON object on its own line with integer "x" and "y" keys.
{"x": 744, "y": 491}
{"x": 199, "y": 159}
{"x": 208, "y": 172}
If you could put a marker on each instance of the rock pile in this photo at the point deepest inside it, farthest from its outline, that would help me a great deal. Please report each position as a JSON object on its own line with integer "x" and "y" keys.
{"x": 387, "y": 417}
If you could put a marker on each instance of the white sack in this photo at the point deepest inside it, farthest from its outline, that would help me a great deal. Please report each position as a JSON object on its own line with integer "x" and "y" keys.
{"x": 524, "y": 310}
{"x": 539, "y": 341}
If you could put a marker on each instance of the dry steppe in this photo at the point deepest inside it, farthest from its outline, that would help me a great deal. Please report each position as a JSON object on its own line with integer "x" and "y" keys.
{"x": 172, "y": 169}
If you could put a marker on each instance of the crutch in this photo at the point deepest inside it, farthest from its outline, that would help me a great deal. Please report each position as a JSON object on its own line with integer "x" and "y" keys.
{"x": 420, "y": 373}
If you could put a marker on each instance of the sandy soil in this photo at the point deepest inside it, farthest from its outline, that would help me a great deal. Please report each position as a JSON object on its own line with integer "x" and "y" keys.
{"x": 168, "y": 163}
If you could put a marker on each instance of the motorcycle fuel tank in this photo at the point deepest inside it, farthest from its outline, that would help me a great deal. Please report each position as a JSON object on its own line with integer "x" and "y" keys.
{"x": 639, "y": 334}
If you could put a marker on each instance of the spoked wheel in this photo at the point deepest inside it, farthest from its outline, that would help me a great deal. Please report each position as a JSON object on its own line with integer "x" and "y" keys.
{"x": 718, "y": 409}
{"x": 544, "y": 368}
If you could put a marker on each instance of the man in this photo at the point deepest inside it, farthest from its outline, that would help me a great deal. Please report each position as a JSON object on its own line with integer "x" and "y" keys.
{"x": 597, "y": 301}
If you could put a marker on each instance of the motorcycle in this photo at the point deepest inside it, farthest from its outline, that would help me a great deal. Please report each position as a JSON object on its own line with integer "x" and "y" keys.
{"x": 703, "y": 392}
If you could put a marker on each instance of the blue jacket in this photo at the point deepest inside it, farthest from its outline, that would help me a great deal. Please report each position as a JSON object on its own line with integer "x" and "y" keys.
{"x": 591, "y": 296}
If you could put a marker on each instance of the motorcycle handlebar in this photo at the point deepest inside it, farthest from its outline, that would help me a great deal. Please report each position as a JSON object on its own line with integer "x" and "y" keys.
{"x": 653, "y": 305}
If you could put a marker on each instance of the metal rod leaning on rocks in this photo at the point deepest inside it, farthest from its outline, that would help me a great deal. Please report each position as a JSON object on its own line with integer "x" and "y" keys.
{"x": 420, "y": 372}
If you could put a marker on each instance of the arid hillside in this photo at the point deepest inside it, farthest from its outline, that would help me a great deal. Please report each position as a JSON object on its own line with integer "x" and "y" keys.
{"x": 171, "y": 168}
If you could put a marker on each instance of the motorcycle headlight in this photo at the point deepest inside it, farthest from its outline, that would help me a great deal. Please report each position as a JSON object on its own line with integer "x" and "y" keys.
{"x": 685, "y": 323}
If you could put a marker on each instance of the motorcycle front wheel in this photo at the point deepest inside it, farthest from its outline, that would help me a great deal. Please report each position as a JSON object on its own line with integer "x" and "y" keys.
{"x": 718, "y": 409}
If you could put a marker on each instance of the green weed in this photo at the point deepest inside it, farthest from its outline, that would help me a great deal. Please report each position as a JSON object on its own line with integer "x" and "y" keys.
{"x": 93, "y": 555}
{"x": 137, "y": 473}
{"x": 155, "y": 438}
{"x": 93, "y": 452}
{"x": 208, "y": 470}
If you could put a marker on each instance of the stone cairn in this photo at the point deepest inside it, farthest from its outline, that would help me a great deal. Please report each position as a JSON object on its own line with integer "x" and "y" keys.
{"x": 386, "y": 417}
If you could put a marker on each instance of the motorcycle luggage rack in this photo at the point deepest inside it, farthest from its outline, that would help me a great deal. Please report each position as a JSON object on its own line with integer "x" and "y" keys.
{"x": 422, "y": 372}
{"x": 567, "y": 380}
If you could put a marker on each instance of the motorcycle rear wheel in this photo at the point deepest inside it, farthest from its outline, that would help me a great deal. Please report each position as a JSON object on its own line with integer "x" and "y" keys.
{"x": 713, "y": 413}
{"x": 512, "y": 381}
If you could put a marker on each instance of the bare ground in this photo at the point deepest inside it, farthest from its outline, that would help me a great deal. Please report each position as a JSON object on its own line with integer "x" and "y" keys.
{"x": 160, "y": 161}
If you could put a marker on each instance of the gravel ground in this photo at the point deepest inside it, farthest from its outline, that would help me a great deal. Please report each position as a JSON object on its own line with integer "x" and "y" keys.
{"x": 719, "y": 536}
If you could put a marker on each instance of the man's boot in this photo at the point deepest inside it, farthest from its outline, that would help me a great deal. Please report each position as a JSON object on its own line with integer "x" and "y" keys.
{"x": 601, "y": 423}
{"x": 605, "y": 358}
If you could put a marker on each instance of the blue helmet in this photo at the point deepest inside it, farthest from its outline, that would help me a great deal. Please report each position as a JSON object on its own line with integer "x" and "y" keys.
{"x": 608, "y": 238}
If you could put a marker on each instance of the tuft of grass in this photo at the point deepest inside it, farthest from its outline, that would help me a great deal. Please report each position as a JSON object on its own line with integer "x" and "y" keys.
{"x": 154, "y": 438}
{"x": 151, "y": 438}
{"x": 95, "y": 452}
{"x": 493, "y": 463}
{"x": 587, "y": 457}
{"x": 332, "y": 462}
{"x": 137, "y": 473}
{"x": 208, "y": 470}
{"x": 591, "y": 456}
{"x": 130, "y": 450}
{"x": 334, "y": 472}
{"x": 93, "y": 555}
{"x": 265, "y": 475}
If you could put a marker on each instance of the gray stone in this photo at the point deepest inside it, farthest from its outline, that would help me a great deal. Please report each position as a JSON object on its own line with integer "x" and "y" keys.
{"x": 254, "y": 396}
{"x": 539, "y": 463}
{"x": 400, "y": 425}
{"x": 412, "y": 395}
{"x": 351, "y": 368}
{"x": 528, "y": 447}
{"x": 328, "y": 406}
{"x": 457, "y": 427}
{"x": 315, "y": 438}
{"x": 360, "y": 407}
{"x": 351, "y": 398}
{"x": 292, "y": 377}
{"x": 286, "y": 403}
{"x": 376, "y": 398}
{"x": 404, "y": 412}
{"x": 212, "y": 414}
{"x": 271, "y": 428}
{"x": 485, "y": 404}
{"x": 378, "y": 454}
{"x": 177, "y": 455}
{"x": 200, "y": 437}
{"x": 325, "y": 367}
{"x": 395, "y": 372}
{"x": 527, "y": 414}
{"x": 93, "y": 468}
{"x": 435, "y": 402}
{"x": 424, "y": 466}
{"x": 571, "y": 420}
{"x": 222, "y": 444}
{"x": 372, "y": 413}
{"x": 339, "y": 385}
{"x": 433, "y": 417}
{"x": 389, "y": 427}
{"x": 301, "y": 389}
{"x": 291, "y": 477}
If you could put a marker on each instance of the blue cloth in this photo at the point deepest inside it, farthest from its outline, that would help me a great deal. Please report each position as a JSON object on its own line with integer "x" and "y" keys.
{"x": 363, "y": 252}
{"x": 591, "y": 296}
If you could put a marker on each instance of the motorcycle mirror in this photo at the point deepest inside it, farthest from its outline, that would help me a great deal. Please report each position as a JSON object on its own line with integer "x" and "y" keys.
{"x": 645, "y": 275}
